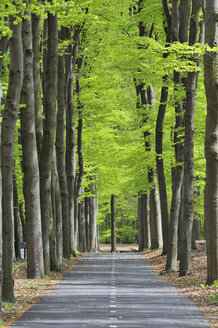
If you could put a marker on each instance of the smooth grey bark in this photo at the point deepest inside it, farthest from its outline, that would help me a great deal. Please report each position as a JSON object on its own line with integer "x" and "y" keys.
{"x": 113, "y": 225}
{"x": 60, "y": 154}
{"x": 144, "y": 238}
{"x": 145, "y": 97}
{"x": 7, "y": 149}
{"x": 211, "y": 141}
{"x": 23, "y": 222}
{"x": 55, "y": 228}
{"x": 35, "y": 268}
{"x": 87, "y": 223}
{"x": 184, "y": 15}
{"x": 177, "y": 178}
{"x": 140, "y": 224}
{"x": 82, "y": 227}
{"x": 80, "y": 173}
{"x": 171, "y": 263}
{"x": 93, "y": 209}
{"x": 197, "y": 229}
{"x": 146, "y": 220}
{"x": 155, "y": 215}
{"x": 70, "y": 157}
{"x": 160, "y": 164}
{"x": 188, "y": 180}
{"x": 188, "y": 203}
{"x": 49, "y": 124}
{"x": 16, "y": 220}
{"x": 36, "y": 27}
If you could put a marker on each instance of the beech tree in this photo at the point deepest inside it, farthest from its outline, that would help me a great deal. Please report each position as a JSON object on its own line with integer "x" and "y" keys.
{"x": 211, "y": 143}
{"x": 49, "y": 123}
{"x": 10, "y": 114}
{"x": 35, "y": 268}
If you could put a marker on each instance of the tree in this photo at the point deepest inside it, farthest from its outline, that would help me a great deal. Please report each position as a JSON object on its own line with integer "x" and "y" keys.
{"x": 35, "y": 268}
{"x": 46, "y": 154}
{"x": 8, "y": 127}
{"x": 211, "y": 142}
{"x": 113, "y": 225}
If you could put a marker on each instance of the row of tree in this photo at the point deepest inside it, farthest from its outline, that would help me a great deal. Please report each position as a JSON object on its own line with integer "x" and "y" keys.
{"x": 98, "y": 109}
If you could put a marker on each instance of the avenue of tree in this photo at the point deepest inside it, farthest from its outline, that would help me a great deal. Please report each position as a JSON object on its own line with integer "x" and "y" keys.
{"x": 107, "y": 132}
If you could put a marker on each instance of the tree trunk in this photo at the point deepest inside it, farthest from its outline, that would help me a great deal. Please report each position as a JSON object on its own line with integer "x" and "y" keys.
{"x": 30, "y": 162}
{"x": 93, "y": 219}
{"x": 87, "y": 224}
{"x": 80, "y": 174}
{"x": 113, "y": 225}
{"x": 171, "y": 263}
{"x": 140, "y": 224}
{"x": 82, "y": 227}
{"x": 146, "y": 221}
{"x": 211, "y": 142}
{"x": 55, "y": 220}
{"x": 160, "y": 165}
{"x": 23, "y": 222}
{"x": 188, "y": 204}
{"x": 8, "y": 127}
{"x": 155, "y": 215}
{"x": 60, "y": 152}
{"x": 70, "y": 147}
{"x": 36, "y": 26}
{"x": 46, "y": 153}
{"x": 197, "y": 229}
{"x": 16, "y": 220}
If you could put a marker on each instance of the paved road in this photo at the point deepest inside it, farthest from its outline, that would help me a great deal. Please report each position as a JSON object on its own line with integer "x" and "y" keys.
{"x": 113, "y": 291}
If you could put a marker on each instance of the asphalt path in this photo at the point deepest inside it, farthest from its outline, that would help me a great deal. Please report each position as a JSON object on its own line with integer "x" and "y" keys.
{"x": 113, "y": 291}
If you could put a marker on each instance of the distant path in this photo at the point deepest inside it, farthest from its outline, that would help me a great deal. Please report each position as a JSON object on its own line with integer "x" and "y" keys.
{"x": 113, "y": 291}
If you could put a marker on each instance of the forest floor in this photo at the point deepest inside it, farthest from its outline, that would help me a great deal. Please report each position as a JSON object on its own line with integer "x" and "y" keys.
{"x": 29, "y": 291}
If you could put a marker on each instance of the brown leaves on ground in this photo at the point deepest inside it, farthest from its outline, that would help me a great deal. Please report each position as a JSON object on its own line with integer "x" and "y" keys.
{"x": 194, "y": 284}
{"x": 28, "y": 292}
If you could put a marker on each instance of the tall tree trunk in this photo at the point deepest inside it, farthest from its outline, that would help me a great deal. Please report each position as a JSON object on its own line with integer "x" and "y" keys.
{"x": 155, "y": 215}
{"x": 87, "y": 223}
{"x": 60, "y": 152}
{"x": 23, "y": 222}
{"x": 46, "y": 153}
{"x": 160, "y": 165}
{"x": 188, "y": 204}
{"x": 82, "y": 228}
{"x": 93, "y": 218}
{"x": 113, "y": 225}
{"x": 146, "y": 220}
{"x": 211, "y": 142}
{"x": 80, "y": 174}
{"x": 16, "y": 220}
{"x": 70, "y": 145}
{"x": 8, "y": 127}
{"x": 140, "y": 224}
{"x": 36, "y": 27}
{"x": 35, "y": 267}
{"x": 55, "y": 216}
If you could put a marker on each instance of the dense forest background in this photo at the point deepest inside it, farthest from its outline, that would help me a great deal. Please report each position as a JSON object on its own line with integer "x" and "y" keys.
{"x": 103, "y": 120}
